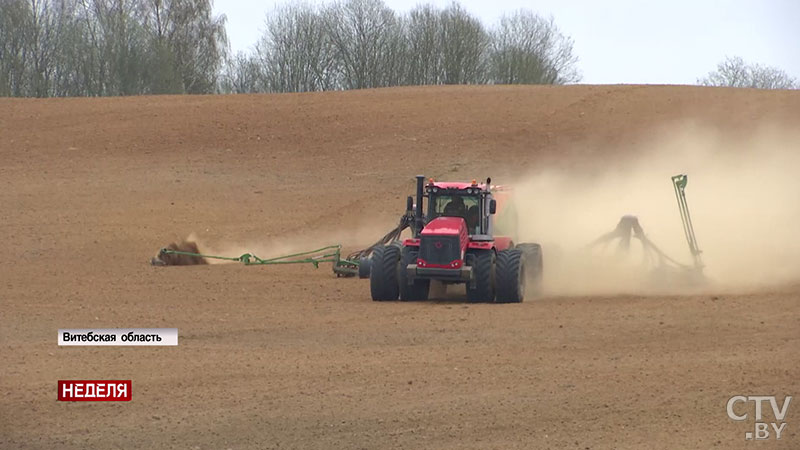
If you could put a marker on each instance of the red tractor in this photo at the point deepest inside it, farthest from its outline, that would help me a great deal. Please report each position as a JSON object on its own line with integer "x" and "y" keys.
{"x": 453, "y": 242}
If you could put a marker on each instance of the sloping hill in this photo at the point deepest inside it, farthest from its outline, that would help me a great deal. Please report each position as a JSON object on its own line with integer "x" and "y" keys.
{"x": 292, "y": 357}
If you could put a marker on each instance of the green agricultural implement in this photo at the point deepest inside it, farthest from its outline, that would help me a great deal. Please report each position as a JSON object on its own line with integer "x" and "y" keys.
{"x": 628, "y": 228}
{"x": 330, "y": 254}
{"x": 679, "y": 183}
{"x": 354, "y": 264}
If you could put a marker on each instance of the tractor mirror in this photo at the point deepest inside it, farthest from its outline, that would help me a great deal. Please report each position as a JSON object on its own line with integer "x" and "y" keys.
{"x": 410, "y": 203}
{"x": 493, "y": 206}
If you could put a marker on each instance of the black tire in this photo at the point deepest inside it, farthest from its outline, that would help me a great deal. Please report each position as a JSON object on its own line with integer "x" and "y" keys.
{"x": 534, "y": 267}
{"x": 383, "y": 283}
{"x": 510, "y": 276}
{"x": 364, "y": 266}
{"x": 419, "y": 289}
{"x": 482, "y": 262}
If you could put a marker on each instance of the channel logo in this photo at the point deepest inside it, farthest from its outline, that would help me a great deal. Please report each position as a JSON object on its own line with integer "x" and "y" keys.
{"x": 94, "y": 390}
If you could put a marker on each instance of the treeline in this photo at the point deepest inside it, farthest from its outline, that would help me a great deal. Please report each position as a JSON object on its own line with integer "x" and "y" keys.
{"x": 735, "y": 72}
{"x": 358, "y": 44}
{"x": 128, "y": 47}
{"x": 109, "y": 47}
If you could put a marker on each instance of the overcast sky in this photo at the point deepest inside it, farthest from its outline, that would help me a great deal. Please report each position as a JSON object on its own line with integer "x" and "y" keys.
{"x": 620, "y": 41}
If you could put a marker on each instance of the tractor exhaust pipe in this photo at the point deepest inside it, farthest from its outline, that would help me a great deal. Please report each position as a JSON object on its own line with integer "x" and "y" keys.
{"x": 418, "y": 210}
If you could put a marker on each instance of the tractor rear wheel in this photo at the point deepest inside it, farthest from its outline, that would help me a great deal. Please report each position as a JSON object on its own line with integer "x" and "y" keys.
{"x": 383, "y": 283}
{"x": 510, "y": 276}
{"x": 418, "y": 289}
{"x": 534, "y": 267}
{"x": 481, "y": 288}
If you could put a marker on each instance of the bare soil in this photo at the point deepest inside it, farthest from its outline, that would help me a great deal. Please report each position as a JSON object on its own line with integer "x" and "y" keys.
{"x": 292, "y": 357}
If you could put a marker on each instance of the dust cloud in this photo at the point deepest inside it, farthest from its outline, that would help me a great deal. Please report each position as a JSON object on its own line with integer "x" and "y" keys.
{"x": 742, "y": 194}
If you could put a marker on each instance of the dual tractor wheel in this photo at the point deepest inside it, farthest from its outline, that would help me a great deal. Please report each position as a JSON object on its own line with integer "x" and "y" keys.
{"x": 497, "y": 277}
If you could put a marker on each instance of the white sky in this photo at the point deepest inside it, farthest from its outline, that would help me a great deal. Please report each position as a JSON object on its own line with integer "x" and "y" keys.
{"x": 620, "y": 41}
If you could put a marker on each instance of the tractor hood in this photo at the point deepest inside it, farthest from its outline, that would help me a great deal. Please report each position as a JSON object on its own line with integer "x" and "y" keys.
{"x": 445, "y": 226}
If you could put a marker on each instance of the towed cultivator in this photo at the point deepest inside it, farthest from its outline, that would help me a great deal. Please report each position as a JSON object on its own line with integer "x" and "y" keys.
{"x": 175, "y": 255}
{"x": 355, "y": 263}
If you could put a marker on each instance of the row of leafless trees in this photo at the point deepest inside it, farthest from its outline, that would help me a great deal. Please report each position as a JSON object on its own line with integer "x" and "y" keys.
{"x": 109, "y": 47}
{"x": 353, "y": 44}
{"x": 735, "y": 72}
{"x": 126, "y": 47}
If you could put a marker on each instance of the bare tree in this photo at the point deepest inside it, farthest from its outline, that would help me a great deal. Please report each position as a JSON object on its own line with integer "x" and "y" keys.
{"x": 43, "y": 39}
{"x": 423, "y": 33}
{"x": 394, "y": 59}
{"x": 463, "y": 41}
{"x": 296, "y": 53}
{"x": 735, "y": 72}
{"x": 76, "y": 57}
{"x": 362, "y": 33}
{"x": 528, "y": 49}
{"x": 242, "y": 74}
{"x": 189, "y": 45}
{"x": 120, "y": 47}
{"x": 15, "y": 35}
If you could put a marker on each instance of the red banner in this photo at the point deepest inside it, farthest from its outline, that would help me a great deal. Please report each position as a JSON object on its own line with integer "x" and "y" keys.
{"x": 94, "y": 390}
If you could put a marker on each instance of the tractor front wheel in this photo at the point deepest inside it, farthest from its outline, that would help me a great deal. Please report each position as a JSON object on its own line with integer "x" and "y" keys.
{"x": 418, "y": 289}
{"x": 383, "y": 282}
{"x": 482, "y": 287}
{"x": 510, "y": 276}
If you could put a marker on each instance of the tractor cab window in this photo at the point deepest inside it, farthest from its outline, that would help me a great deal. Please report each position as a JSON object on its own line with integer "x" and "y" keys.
{"x": 467, "y": 207}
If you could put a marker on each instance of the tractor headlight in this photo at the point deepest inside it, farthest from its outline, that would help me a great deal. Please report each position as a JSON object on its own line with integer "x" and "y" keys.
{"x": 435, "y": 189}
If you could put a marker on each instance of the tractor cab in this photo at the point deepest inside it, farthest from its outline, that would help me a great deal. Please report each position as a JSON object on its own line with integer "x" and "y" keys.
{"x": 469, "y": 201}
